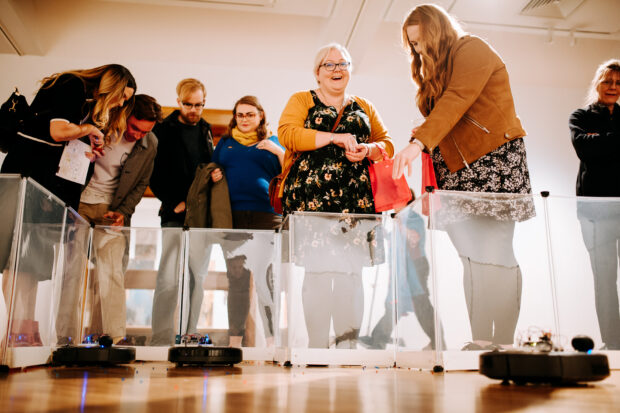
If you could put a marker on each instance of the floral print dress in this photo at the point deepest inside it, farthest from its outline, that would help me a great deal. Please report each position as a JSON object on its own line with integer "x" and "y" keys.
{"x": 324, "y": 180}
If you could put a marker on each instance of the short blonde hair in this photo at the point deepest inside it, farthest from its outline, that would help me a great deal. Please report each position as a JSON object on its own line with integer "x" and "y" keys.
{"x": 188, "y": 86}
{"x": 323, "y": 52}
{"x": 611, "y": 65}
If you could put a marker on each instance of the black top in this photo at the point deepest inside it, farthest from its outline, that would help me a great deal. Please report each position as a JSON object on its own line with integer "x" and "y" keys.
{"x": 66, "y": 99}
{"x": 175, "y": 163}
{"x": 595, "y": 133}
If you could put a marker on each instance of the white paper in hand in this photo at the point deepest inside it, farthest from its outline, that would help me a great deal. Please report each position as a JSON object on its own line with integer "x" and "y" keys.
{"x": 74, "y": 164}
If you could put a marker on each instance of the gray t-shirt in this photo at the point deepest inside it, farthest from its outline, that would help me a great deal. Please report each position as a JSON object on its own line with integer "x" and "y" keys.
{"x": 103, "y": 184}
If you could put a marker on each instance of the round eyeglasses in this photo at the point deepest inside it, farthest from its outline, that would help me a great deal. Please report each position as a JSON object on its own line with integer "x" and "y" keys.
{"x": 249, "y": 115}
{"x": 330, "y": 67}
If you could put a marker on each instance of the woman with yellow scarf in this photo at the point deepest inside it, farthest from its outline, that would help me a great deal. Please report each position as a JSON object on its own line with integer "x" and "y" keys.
{"x": 250, "y": 156}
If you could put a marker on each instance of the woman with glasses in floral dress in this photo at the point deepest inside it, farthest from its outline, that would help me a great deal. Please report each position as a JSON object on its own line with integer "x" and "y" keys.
{"x": 330, "y": 155}
{"x": 250, "y": 156}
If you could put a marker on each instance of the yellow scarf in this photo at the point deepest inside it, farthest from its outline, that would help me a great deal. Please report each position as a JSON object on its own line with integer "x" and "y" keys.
{"x": 245, "y": 139}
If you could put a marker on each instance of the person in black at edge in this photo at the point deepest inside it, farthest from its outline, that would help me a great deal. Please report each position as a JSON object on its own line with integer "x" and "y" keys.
{"x": 185, "y": 141}
{"x": 595, "y": 133}
{"x": 71, "y": 105}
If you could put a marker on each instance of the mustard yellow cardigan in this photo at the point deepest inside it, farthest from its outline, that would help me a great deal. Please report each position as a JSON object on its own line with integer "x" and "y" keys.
{"x": 295, "y": 138}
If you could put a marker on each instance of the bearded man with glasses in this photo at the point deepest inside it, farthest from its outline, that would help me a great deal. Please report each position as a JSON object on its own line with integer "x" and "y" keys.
{"x": 185, "y": 141}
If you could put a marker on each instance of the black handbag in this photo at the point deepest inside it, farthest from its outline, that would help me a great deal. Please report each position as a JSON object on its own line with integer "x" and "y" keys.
{"x": 14, "y": 113}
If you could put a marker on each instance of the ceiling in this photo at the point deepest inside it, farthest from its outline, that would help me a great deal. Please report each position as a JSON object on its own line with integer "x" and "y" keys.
{"x": 354, "y": 22}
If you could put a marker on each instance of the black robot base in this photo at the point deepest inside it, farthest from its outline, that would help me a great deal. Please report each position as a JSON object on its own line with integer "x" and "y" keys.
{"x": 205, "y": 355}
{"x": 523, "y": 367}
{"x": 93, "y": 354}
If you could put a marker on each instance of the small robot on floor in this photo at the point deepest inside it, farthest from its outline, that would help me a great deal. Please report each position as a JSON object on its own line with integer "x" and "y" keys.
{"x": 93, "y": 351}
{"x": 194, "y": 349}
{"x": 541, "y": 361}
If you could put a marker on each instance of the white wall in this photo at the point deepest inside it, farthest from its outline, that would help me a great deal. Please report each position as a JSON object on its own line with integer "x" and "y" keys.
{"x": 268, "y": 55}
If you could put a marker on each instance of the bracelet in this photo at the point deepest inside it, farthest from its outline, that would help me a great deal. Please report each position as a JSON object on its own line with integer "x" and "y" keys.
{"x": 368, "y": 149}
{"x": 417, "y": 142}
{"x": 331, "y": 138}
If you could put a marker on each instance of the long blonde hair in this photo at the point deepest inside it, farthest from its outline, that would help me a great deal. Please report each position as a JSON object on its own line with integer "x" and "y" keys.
{"x": 438, "y": 34}
{"x": 611, "y": 65}
{"x": 107, "y": 85}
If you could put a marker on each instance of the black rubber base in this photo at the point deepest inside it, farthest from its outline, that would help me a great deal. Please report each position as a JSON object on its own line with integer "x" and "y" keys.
{"x": 205, "y": 355}
{"x": 92, "y": 355}
{"x": 554, "y": 368}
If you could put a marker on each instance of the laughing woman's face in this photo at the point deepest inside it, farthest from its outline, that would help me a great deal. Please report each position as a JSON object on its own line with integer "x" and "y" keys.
{"x": 333, "y": 81}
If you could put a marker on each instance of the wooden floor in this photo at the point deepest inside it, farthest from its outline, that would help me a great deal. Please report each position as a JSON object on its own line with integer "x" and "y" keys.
{"x": 259, "y": 387}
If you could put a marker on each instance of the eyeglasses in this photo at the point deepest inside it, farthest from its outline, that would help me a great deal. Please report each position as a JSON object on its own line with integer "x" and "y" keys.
{"x": 189, "y": 105}
{"x": 330, "y": 67}
{"x": 249, "y": 115}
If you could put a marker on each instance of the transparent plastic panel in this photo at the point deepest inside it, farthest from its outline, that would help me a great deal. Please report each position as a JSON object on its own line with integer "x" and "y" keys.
{"x": 70, "y": 280}
{"x": 338, "y": 283}
{"x": 491, "y": 268}
{"x": 584, "y": 240}
{"x": 39, "y": 245}
{"x": 134, "y": 285}
{"x": 230, "y": 288}
{"x": 286, "y": 268}
{"x": 414, "y": 293}
{"x": 10, "y": 201}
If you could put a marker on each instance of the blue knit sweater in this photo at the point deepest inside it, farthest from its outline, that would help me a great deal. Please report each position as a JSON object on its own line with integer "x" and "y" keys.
{"x": 248, "y": 171}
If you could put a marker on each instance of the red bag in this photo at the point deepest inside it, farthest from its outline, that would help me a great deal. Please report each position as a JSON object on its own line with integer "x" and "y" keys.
{"x": 388, "y": 193}
{"x": 428, "y": 179}
{"x": 274, "y": 190}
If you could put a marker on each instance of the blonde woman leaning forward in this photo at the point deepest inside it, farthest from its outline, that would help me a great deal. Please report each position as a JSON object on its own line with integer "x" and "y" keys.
{"x": 475, "y": 140}
{"x": 330, "y": 174}
{"x": 71, "y": 105}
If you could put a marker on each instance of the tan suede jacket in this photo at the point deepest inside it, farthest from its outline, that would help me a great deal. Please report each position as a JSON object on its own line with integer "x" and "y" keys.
{"x": 475, "y": 114}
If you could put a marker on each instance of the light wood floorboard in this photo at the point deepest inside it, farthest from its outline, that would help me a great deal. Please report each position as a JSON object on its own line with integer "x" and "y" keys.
{"x": 264, "y": 387}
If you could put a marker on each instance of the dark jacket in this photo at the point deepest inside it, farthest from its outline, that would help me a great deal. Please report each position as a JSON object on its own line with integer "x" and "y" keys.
{"x": 208, "y": 202}
{"x": 135, "y": 176}
{"x": 475, "y": 114}
{"x": 172, "y": 174}
{"x": 595, "y": 134}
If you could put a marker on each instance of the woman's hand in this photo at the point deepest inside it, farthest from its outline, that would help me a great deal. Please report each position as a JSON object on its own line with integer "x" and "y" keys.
{"x": 346, "y": 141}
{"x": 404, "y": 158}
{"x": 96, "y": 138}
{"x": 268, "y": 145}
{"x": 361, "y": 151}
{"x": 216, "y": 174}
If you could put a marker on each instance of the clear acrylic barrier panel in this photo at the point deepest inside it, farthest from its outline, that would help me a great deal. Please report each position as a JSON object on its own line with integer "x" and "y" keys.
{"x": 231, "y": 286}
{"x": 490, "y": 262}
{"x": 134, "y": 288}
{"x": 33, "y": 268}
{"x": 70, "y": 281}
{"x": 584, "y": 236}
{"x": 336, "y": 288}
{"x": 414, "y": 333}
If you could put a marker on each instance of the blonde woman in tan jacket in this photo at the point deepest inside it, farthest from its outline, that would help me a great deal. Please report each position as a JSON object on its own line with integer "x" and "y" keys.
{"x": 474, "y": 138}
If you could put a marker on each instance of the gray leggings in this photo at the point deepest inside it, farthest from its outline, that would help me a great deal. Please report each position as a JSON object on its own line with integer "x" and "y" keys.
{"x": 491, "y": 277}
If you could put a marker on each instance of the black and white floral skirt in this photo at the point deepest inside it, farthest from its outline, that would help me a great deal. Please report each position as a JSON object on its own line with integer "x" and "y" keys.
{"x": 502, "y": 175}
